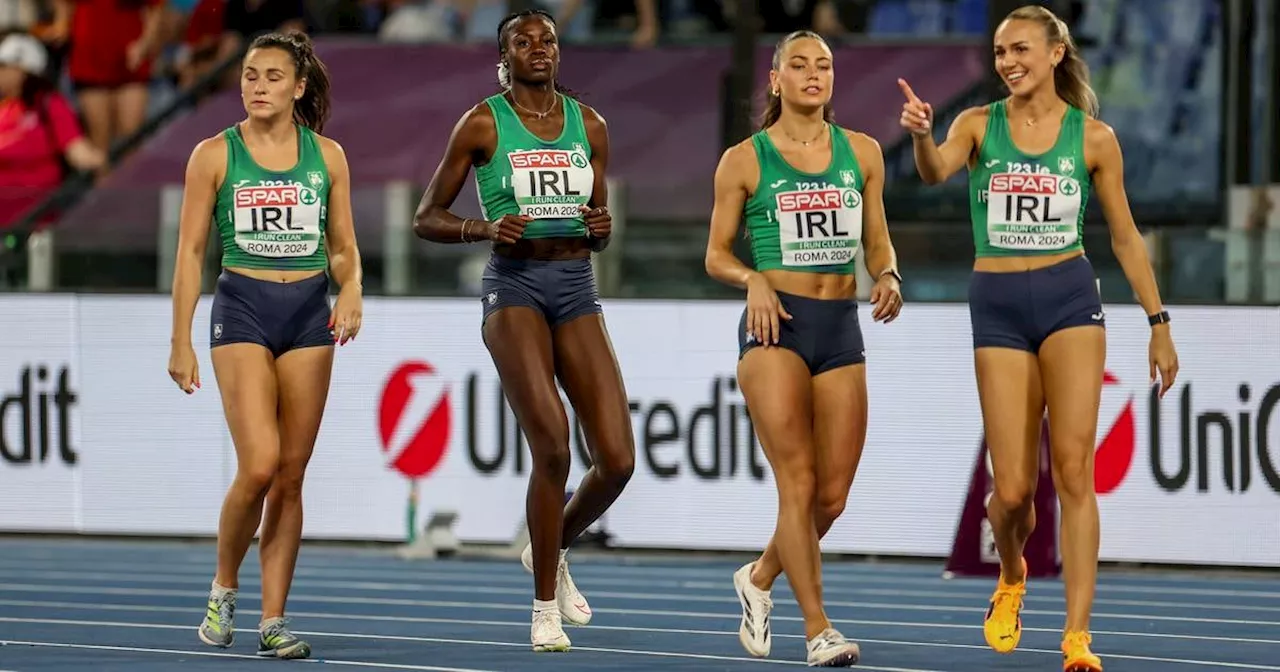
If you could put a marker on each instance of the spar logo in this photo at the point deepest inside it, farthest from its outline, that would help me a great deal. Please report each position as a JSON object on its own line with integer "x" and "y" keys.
{"x": 414, "y": 419}
{"x": 1114, "y": 456}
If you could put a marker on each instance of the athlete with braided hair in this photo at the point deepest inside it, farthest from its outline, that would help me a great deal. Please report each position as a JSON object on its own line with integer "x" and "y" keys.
{"x": 540, "y": 157}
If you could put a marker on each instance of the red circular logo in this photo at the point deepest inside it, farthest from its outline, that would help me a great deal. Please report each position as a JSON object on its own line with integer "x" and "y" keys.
{"x": 414, "y": 418}
{"x": 1114, "y": 456}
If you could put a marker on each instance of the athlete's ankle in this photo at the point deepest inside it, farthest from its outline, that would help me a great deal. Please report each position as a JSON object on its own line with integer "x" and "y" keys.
{"x": 816, "y": 627}
{"x": 759, "y": 579}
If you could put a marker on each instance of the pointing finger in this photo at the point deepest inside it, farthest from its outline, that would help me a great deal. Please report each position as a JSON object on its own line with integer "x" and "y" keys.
{"x": 906, "y": 90}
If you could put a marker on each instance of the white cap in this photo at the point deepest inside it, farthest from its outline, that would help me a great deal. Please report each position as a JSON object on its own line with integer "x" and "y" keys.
{"x": 25, "y": 53}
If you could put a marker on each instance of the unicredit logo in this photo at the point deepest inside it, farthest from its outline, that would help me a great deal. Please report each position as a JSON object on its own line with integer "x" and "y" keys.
{"x": 414, "y": 419}
{"x": 1236, "y": 438}
{"x": 1114, "y": 456}
{"x": 709, "y": 439}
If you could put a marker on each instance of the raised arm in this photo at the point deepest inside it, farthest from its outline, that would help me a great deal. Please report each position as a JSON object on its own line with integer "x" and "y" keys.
{"x": 937, "y": 163}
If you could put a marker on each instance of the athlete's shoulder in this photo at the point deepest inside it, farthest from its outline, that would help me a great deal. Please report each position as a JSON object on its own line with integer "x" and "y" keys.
{"x": 590, "y": 115}
{"x": 861, "y": 142}
{"x": 334, "y": 155}
{"x": 1098, "y": 130}
{"x": 739, "y": 162}
{"x": 210, "y": 152}
{"x": 977, "y": 114}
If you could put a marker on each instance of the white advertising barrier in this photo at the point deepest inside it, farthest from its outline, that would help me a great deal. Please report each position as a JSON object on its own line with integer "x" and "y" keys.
{"x": 415, "y": 404}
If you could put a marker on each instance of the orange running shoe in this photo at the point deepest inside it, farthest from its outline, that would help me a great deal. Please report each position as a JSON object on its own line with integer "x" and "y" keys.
{"x": 1076, "y": 656}
{"x": 1003, "y": 623}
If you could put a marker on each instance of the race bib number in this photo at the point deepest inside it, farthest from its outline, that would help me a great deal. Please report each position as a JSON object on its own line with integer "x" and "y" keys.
{"x": 551, "y": 184}
{"x": 820, "y": 227}
{"x": 277, "y": 221}
{"x": 1032, "y": 211}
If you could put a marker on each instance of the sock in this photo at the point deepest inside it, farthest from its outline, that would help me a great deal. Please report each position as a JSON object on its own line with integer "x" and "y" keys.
{"x": 217, "y": 592}
{"x": 266, "y": 622}
{"x": 544, "y": 605}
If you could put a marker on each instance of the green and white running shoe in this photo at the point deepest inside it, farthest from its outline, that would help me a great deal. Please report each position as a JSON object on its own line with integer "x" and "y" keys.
{"x": 218, "y": 628}
{"x": 275, "y": 641}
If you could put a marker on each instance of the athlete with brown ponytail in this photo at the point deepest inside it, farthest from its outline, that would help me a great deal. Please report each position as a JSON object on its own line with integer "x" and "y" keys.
{"x": 1035, "y": 306}
{"x": 279, "y": 194}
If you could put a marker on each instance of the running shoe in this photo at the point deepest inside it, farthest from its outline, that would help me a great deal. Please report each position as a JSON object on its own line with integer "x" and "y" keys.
{"x": 218, "y": 628}
{"x": 1076, "y": 656}
{"x": 547, "y": 633}
{"x": 573, "y": 606}
{"x": 831, "y": 649}
{"x": 1003, "y": 623}
{"x": 756, "y": 605}
{"x": 276, "y": 641}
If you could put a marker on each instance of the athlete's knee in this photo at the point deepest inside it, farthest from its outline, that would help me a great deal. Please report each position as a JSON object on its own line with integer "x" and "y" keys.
{"x": 615, "y": 466}
{"x": 797, "y": 488}
{"x": 255, "y": 475}
{"x": 1073, "y": 472}
{"x": 830, "y": 504}
{"x": 1015, "y": 495}
{"x": 288, "y": 482}
{"x": 549, "y": 444}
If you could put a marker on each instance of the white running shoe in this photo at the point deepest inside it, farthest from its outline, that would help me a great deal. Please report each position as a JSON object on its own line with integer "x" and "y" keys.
{"x": 547, "y": 633}
{"x": 831, "y": 649}
{"x": 756, "y": 605}
{"x": 573, "y": 606}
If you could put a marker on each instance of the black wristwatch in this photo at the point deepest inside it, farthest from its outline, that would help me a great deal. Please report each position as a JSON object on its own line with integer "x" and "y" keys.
{"x": 891, "y": 271}
{"x": 1161, "y": 317}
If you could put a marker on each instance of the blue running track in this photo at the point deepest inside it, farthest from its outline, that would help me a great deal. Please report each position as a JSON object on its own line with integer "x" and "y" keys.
{"x": 134, "y": 606}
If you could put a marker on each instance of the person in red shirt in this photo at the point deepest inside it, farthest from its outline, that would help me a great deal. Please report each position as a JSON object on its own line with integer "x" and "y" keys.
{"x": 113, "y": 44}
{"x": 39, "y": 133}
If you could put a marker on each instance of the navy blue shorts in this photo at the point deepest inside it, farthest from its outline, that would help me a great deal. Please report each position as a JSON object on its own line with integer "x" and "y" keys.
{"x": 560, "y": 289}
{"x": 280, "y": 316}
{"x": 824, "y": 332}
{"x": 1020, "y": 310}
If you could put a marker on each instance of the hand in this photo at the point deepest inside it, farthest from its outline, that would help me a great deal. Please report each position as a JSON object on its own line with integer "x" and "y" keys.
{"x": 763, "y": 311}
{"x": 886, "y": 296}
{"x": 183, "y": 367}
{"x": 1163, "y": 357}
{"x": 345, "y": 318}
{"x": 507, "y": 229}
{"x": 917, "y": 116}
{"x": 135, "y": 54}
{"x": 599, "y": 221}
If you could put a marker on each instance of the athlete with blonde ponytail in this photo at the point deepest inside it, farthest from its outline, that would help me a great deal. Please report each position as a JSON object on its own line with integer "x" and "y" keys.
{"x": 1038, "y": 325}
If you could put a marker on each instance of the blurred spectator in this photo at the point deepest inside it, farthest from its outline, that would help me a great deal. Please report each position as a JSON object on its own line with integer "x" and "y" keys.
{"x": 40, "y": 136}
{"x": 113, "y": 45}
{"x": 480, "y": 18}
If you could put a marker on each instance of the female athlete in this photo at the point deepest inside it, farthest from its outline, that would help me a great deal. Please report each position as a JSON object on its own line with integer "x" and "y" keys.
{"x": 280, "y": 194}
{"x": 811, "y": 194}
{"x": 540, "y": 159}
{"x": 1038, "y": 326}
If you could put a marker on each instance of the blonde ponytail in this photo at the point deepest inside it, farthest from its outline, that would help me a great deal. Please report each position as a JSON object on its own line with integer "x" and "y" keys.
{"x": 1071, "y": 76}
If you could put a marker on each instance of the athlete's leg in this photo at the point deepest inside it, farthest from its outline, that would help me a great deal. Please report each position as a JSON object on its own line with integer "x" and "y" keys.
{"x": 519, "y": 341}
{"x": 840, "y": 431}
{"x": 589, "y": 373}
{"x": 245, "y": 373}
{"x": 246, "y": 379}
{"x": 303, "y": 376}
{"x": 1072, "y": 363}
{"x": 776, "y": 385}
{"x": 1009, "y": 388}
